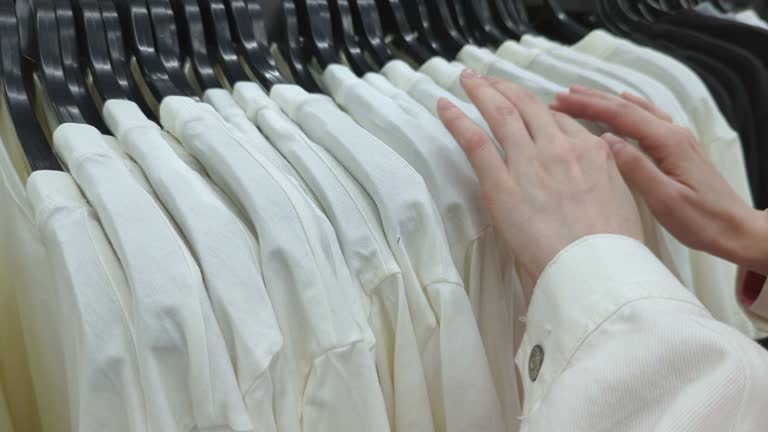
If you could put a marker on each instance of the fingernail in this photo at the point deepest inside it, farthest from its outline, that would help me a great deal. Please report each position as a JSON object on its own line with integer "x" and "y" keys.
{"x": 444, "y": 104}
{"x": 578, "y": 89}
{"x": 468, "y": 74}
{"x": 614, "y": 142}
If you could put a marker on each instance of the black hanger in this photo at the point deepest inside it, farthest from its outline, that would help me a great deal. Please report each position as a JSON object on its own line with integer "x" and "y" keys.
{"x": 216, "y": 21}
{"x": 610, "y": 18}
{"x": 604, "y": 18}
{"x": 250, "y": 35}
{"x": 13, "y": 71}
{"x": 116, "y": 50}
{"x": 193, "y": 43}
{"x": 417, "y": 13}
{"x": 39, "y": 32}
{"x": 315, "y": 19}
{"x": 342, "y": 20}
{"x": 459, "y": 14}
{"x": 481, "y": 17}
{"x": 518, "y": 8}
{"x": 627, "y": 20}
{"x": 366, "y": 16}
{"x": 93, "y": 42}
{"x": 506, "y": 18}
{"x": 289, "y": 43}
{"x": 724, "y": 6}
{"x": 139, "y": 35}
{"x": 406, "y": 39}
{"x": 448, "y": 34}
{"x": 567, "y": 27}
{"x": 163, "y": 24}
{"x": 647, "y": 11}
{"x": 70, "y": 61}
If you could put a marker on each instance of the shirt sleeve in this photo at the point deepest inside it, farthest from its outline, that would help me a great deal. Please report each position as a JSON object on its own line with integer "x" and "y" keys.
{"x": 615, "y": 342}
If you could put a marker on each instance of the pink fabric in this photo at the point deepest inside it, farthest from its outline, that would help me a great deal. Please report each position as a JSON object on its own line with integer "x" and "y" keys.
{"x": 751, "y": 292}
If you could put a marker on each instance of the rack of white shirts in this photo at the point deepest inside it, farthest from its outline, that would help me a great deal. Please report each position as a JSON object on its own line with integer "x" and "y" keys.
{"x": 291, "y": 261}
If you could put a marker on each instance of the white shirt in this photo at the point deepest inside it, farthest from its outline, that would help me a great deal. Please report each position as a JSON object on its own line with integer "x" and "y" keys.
{"x": 482, "y": 59}
{"x": 428, "y": 147}
{"x": 363, "y": 243}
{"x": 614, "y": 342}
{"x": 718, "y": 139}
{"x": 714, "y": 277}
{"x": 236, "y": 119}
{"x": 460, "y": 384}
{"x": 446, "y": 74}
{"x": 5, "y": 418}
{"x": 30, "y": 370}
{"x": 328, "y": 342}
{"x": 225, "y": 250}
{"x": 186, "y": 372}
{"x": 529, "y": 54}
{"x": 424, "y": 90}
{"x": 100, "y": 362}
{"x": 749, "y": 16}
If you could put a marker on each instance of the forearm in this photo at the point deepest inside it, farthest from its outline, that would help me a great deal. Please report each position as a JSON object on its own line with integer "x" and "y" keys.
{"x": 744, "y": 241}
{"x": 614, "y": 342}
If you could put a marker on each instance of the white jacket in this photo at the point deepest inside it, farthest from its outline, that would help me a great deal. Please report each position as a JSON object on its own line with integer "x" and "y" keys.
{"x": 615, "y": 343}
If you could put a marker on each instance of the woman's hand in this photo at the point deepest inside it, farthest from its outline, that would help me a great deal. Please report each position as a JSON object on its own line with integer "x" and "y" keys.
{"x": 557, "y": 182}
{"x": 681, "y": 186}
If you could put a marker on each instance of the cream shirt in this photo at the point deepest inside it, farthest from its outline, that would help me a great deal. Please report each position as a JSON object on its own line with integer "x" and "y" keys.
{"x": 186, "y": 371}
{"x": 534, "y": 50}
{"x": 226, "y": 252}
{"x": 460, "y": 383}
{"x": 5, "y": 418}
{"x": 428, "y": 147}
{"x": 718, "y": 140}
{"x": 329, "y": 344}
{"x": 363, "y": 243}
{"x": 426, "y": 91}
{"x": 31, "y": 381}
{"x": 100, "y": 358}
{"x": 447, "y": 75}
{"x": 615, "y": 342}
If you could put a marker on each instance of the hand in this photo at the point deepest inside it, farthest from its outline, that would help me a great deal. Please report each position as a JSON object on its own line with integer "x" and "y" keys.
{"x": 679, "y": 183}
{"x": 557, "y": 182}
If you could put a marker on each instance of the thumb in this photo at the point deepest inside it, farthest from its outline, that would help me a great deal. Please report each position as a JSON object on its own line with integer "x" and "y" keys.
{"x": 640, "y": 173}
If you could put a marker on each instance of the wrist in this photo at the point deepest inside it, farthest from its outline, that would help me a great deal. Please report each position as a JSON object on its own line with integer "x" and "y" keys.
{"x": 749, "y": 246}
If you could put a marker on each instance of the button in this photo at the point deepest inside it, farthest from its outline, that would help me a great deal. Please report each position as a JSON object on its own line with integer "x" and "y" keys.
{"x": 535, "y": 361}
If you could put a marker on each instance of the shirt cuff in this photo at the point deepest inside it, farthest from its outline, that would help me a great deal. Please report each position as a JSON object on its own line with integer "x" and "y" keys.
{"x": 583, "y": 286}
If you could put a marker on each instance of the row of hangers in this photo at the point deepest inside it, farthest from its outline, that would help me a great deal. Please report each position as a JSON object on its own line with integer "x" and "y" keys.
{"x": 625, "y": 17}
{"x": 226, "y": 41}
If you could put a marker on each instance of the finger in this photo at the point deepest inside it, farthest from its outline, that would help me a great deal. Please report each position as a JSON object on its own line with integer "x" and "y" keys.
{"x": 570, "y": 126}
{"x": 538, "y": 119}
{"x": 623, "y": 117}
{"x": 477, "y": 145}
{"x": 577, "y": 89}
{"x": 647, "y": 105}
{"x": 640, "y": 173}
{"x": 630, "y": 97}
{"x": 504, "y": 119}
